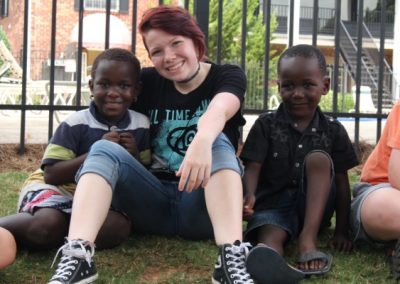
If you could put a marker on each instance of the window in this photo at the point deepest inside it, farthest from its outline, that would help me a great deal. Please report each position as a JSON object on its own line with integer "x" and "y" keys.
{"x": 100, "y": 5}
{"x": 116, "y": 5}
{"x": 3, "y": 8}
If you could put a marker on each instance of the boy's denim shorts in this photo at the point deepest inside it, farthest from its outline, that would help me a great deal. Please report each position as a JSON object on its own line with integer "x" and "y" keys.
{"x": 360, "y": 192}
{"x": 156, "y": 206}
{"x": 289, "y": 215}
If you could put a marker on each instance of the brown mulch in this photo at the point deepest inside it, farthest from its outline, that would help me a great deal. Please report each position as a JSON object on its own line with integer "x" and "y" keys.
{"x": 12, "y": 160}
{"x": 364, "y": 150}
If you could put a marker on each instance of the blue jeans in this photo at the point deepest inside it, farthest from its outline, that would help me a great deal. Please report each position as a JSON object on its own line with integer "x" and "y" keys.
{"x": 156, "y": 206}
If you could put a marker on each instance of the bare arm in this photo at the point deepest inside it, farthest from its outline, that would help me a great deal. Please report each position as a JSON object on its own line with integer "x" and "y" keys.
{"x": 63, "y": 171}
{"x": 196, "y": 166}
{"x": 340, "y": 240}
{"x": 250, "y": 182}
{"x": 393, "y": 168}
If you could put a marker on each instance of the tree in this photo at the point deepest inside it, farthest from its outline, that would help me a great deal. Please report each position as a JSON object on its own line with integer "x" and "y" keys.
{"x": 374, "y": 15}
{"x": 255, "y": 44}
{"x": 4, "y": 39}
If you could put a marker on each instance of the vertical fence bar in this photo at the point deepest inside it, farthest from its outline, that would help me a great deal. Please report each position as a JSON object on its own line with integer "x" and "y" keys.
{"x": 360, "y": 9}
{"x": 21, "y": 149}
{"x": 219, "y": 30}
{"x": 107, "y": 27}
{"x": 338, "y": 5}
{"x": 79, "y": 55}
{"x": 291, "y": 24}
{"x": 244, "y": 35}
{"x": 381, "y": 69}
{"x": 134, "y": 26}
{"x": 267, "y": 45}
{"x": 315, "y": 23}
{"x": 201, "y": 11}
{"x": 52, "y": 59}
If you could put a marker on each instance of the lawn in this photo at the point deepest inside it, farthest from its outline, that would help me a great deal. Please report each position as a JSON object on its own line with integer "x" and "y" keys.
{"x": 150, "y": 259}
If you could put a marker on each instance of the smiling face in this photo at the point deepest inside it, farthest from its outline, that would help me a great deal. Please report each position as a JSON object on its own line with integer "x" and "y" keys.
{"x": 174, "y": 56}
{"x": 301, "y": 86}
{"x": 113, "y": 88}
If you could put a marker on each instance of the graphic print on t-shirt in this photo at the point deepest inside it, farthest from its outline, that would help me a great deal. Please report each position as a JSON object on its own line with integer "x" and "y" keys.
{"x": 175, "y": 130}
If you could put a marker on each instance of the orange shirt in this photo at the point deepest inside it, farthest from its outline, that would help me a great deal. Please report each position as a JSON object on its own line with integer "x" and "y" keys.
{"x": 375, "y": 169}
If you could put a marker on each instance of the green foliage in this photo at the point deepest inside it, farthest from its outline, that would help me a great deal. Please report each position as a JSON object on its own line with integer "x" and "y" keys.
{"x": 255, "y": 87}
{"x": 231, "y": 45}
{"x": 3, "y": 37}
{"x": 373, "y": 16}
{"x": 345, "y": 102}
{"x": 232, "y": 29}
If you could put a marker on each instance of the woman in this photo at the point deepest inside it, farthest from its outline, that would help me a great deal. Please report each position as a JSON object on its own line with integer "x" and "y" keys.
{"x": 193, "y": 187}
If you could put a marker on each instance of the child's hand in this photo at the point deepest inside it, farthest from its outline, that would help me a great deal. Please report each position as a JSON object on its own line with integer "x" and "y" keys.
{"x": 129, "y": 143}
{"x": 340, "y": 243}
{"x": 112, "y": 136}
{"x": 248, "y": 204}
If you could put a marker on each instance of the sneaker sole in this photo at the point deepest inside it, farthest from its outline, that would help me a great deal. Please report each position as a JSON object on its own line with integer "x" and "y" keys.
{"x": 88, "y": 280}
{"x": 83, "y": 281}
{"x": 265, "y": 265}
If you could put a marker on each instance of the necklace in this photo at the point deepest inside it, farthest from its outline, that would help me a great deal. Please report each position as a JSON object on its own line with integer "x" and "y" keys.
{"x": 191, "y": 77}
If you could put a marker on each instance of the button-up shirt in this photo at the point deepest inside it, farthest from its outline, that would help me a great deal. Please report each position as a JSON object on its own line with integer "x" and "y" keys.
{"x": 276, "y": 143}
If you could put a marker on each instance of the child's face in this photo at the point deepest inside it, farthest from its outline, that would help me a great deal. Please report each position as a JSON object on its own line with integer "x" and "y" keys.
{"x": 113, "y": 88}
{"x": 174, "y": 56}
{"x": 301, "y": 86}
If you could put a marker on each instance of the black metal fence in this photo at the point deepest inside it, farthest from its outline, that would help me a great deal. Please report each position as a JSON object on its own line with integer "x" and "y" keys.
{"x": 261, "y": 94}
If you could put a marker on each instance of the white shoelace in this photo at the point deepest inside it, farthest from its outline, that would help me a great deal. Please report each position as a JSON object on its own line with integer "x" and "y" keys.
{"x": 236, "y": 262}
{"x": 67, "y": 262}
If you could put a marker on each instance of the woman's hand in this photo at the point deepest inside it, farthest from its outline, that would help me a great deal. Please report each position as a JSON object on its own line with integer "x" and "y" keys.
{"x": 195, "y": 169}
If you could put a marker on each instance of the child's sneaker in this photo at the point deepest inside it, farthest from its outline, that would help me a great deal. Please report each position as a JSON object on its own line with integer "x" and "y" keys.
{"x": 76, "y": 264}
{"x": 230, "y": 267}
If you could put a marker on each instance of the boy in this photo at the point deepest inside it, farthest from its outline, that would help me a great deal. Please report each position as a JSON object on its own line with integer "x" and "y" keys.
{"x": 375, "y": 210}
{"x": 45, "y": 201}
{"x": 296, "y": 161}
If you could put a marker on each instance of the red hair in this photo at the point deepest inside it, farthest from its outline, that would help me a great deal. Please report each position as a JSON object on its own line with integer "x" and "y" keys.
{"x": 175, "y": 21}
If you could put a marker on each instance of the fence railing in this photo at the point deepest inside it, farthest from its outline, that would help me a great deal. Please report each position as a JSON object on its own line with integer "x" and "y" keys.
{"x": 261, "y": 95}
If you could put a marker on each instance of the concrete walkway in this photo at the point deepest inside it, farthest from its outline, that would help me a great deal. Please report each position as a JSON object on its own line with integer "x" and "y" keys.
{"x": 36, "y": 131}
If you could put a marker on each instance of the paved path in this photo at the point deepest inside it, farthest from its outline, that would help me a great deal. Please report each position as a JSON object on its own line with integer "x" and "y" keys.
{"x": 367, "y": 128}
{"x": 37, "y": 127}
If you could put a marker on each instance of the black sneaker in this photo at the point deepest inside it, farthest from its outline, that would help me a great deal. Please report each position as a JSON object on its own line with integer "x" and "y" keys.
{"x": 76, "y": 265}
{"x": 230, "y": 267}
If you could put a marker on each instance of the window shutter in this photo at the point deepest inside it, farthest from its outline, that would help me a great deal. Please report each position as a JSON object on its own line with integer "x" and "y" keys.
{"x": 3, "y": 8}
{"x": 124, "y": 6}
{"x": 76, "y": 5}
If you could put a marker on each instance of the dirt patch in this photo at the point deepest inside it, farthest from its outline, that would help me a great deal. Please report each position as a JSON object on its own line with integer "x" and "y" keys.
{"x": 364, "y": 150}
{"x": 12, "y": 160}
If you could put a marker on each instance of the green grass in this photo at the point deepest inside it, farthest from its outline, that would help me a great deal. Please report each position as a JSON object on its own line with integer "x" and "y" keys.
{"x": 150, "y": 259}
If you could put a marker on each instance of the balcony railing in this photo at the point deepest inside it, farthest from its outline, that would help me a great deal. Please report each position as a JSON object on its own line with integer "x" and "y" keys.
{"x": 326, "y": 18}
